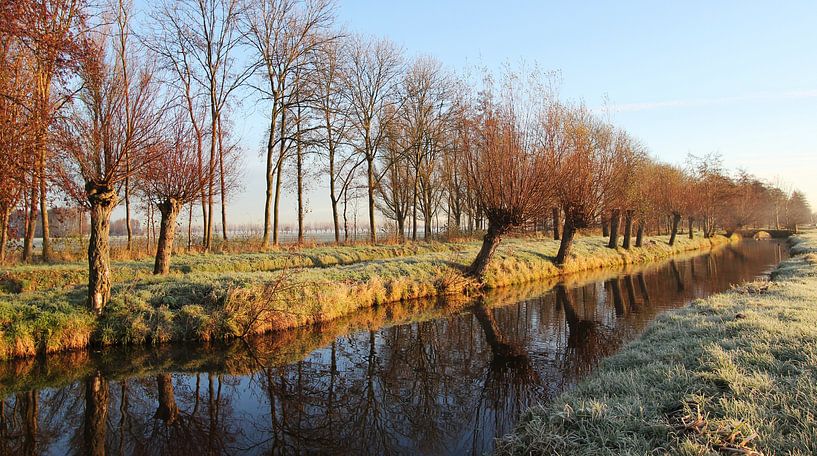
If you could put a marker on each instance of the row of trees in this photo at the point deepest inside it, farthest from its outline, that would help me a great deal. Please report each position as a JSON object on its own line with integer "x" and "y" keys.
{"x": 98, "y": 111}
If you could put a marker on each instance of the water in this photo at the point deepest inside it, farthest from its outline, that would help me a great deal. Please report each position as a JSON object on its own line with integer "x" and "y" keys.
{"x": 424, "y": 377}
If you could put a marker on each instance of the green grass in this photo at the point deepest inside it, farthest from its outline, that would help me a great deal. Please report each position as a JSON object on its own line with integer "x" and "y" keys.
{"x": 735, "y": 373}
{"x": 218, "y": 297}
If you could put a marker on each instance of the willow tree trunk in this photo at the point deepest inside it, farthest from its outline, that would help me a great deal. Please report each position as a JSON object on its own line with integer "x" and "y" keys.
{"x": 556, "y": 223}
{"x": 169, "y": 209}
{"x": 568, "y": 233}
{"x": 690, "y": 222}
{"x": 615, "y": 218}
{"x": 676, "y": 220}
{"x": 102, "y": 199}
{"x": 96, "y": 414}
{"x": 628, "y": 228}
{"x": 605, "y": 228}
{"x": 490, "y": 242}
{"x": 639, "y": 235}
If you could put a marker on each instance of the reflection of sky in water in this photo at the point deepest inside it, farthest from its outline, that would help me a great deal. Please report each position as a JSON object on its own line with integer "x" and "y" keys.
{"x": 447, "y": 383}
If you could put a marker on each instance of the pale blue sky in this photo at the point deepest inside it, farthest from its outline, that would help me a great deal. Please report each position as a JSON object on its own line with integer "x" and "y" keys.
{"x": 739, "y": 78}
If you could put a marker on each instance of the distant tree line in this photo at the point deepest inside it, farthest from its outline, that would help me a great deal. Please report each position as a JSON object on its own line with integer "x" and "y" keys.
{"x": 103, "y": 112}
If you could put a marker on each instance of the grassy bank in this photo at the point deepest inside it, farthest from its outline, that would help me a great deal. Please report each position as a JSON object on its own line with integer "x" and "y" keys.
{"x": 222, "y": 298}
{"x": 731, "y": 374}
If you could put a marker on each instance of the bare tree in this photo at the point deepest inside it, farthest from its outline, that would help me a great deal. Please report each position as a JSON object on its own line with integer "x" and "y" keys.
{"x": 370, "y": 84}
{"x": 509, "y": 160}
{"x": 15, "y": 130}
{"x": 171, "y": 180}
{"x": 48, "y": 29}
{"x": 207, "y": 50}
{"x": 592, "y": 166}
{"x": 331, "y": 135}
{"x": 282, "y": 33}
{"x": 100, "y": 136}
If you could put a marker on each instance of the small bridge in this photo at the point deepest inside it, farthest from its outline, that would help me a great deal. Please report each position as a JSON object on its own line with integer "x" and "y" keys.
{"x": 775, "y": 234}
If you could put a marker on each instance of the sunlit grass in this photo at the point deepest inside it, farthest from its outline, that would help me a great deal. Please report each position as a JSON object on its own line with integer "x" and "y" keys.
{"x": 217, "y": 297}
{"x": 733, "y": 373}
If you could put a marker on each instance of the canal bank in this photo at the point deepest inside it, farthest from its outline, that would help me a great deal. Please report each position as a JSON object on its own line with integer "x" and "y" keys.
{"x": 212, "y": 304}
{"x": 733, "y": 373}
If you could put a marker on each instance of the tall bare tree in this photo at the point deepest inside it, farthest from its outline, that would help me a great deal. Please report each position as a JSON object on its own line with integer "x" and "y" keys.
{"x": 283, "y": 35}
{"x": 371, "y": 86}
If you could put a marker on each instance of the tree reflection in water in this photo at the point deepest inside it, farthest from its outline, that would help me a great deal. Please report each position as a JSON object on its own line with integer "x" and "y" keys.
{"x": 416, "y": 378}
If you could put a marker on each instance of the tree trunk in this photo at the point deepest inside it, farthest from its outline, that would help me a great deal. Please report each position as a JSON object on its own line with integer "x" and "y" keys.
{"x": 4, "y": 230}
{"x": 401, "y": 229}
{"x": 335, "y": 221}
{"x": 44, "y": 210}
{"x": 566, "y": 245}
{"x": 300, "y": 177}
{"x": 278, "y": 172}
{"x": 127, "y": 207}
{"x": 605, "y": 228}
{"x": 269, "y": 180}
{"x": 222, "y": 181}
{"x": 676, "y": 219}
{"x": 190, "y": 228}
{"x": 102, "y": 199}
{"x": 690, "y": 221}
{"x": 31, "y": 224}
{"x": 628, "y": 228}
{"x": 414, "y": 205}
{"x": 615, "y": 218}
{"x": 169, "y": 209}
{"x": 96, "y": 414}
{"x": 372, "y": 230}
{"x": 427, "y": 227}
{"x": 555, "y": 223}
{"x": 490, "y": 242}
{"x": 639, "y": 235}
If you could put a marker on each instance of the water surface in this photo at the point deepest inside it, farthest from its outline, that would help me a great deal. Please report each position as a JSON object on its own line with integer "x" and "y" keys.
{"x": 425, "y": 377}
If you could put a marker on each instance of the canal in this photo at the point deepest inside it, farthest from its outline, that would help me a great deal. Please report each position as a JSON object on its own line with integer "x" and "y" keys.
{"x": 425, "y": 377}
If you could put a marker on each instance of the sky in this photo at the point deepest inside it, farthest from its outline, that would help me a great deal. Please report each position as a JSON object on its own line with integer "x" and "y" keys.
{"x": 737, "y": 78}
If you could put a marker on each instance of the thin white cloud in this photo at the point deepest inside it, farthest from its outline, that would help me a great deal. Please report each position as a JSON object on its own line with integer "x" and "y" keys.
{"x": 701, "y": 102}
